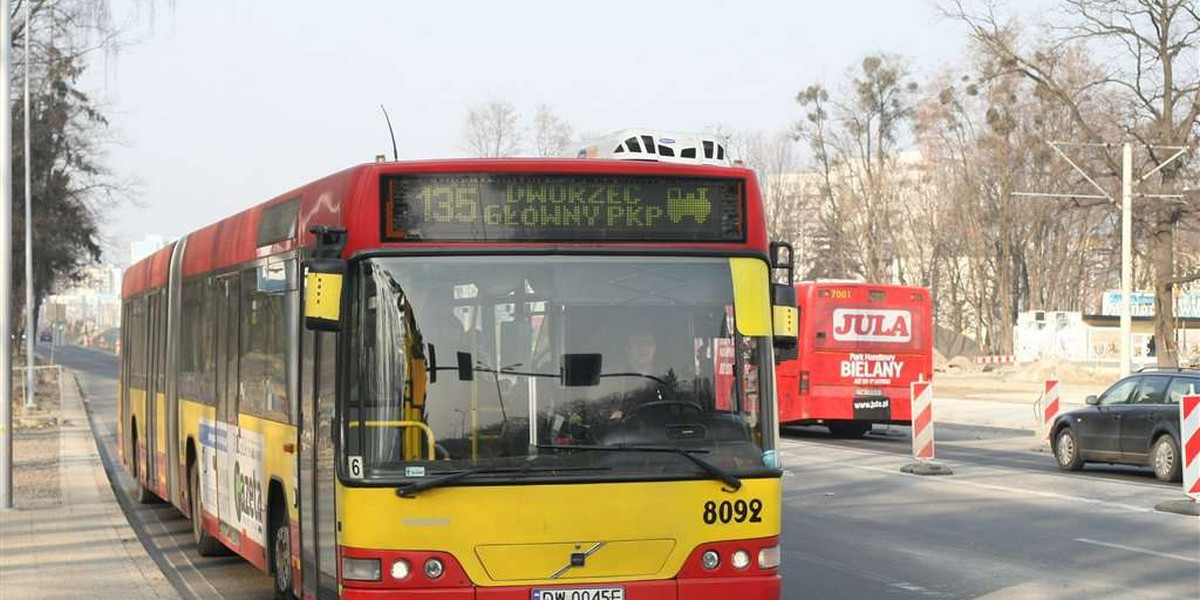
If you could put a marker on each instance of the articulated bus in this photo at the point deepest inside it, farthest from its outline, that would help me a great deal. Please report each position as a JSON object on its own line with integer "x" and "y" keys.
{"x": 470, "y": 379}
{"x": 859, "y": 346}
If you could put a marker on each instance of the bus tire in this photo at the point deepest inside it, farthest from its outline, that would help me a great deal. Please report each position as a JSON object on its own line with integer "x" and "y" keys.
{"x": 848, "y": 429}
{"x": 281, "y": 551}
{"x": 144, "y": 495}
{"x": 206, "y": 544}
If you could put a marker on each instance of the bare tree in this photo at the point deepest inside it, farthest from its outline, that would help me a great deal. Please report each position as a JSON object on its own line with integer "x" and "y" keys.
{"x": 1147, "y": 41}
{"x": 492, "y": 130}
{"x": 854, "y": 141}
{"x": 551, "y": 134}
{"x": 981, "y": 134}
{"x": 829, "y": 239}
{"x": 775, "y": 161}
{"x": 71, "y": 184}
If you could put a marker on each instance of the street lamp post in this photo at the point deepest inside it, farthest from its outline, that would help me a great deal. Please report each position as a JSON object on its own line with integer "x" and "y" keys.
{"x": 30, "y": 325}
{"x": 1126, "y": 258}
{"x": 6, "y": 341}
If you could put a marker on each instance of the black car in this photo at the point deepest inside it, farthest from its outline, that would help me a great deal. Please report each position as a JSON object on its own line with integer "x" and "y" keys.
{"x": 1136, "y": 421}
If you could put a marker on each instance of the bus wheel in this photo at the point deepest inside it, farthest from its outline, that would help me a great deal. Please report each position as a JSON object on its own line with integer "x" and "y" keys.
{"x": 144, "y": 495}
{"x": 849, "y": 429}
{"x": 206, "y": 544}
{"x": 281, "y": 553}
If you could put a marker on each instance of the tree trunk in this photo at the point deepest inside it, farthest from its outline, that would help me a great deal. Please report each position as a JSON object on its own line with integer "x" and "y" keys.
{"x": 1004, "y": 286}
{"x": 1162, "y": 255}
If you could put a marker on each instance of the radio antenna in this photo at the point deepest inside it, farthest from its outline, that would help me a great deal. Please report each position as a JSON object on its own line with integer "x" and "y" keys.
{"x": 395, "y": 149}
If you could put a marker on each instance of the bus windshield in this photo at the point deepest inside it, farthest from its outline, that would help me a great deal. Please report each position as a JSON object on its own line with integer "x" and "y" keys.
{"x": 510, "y": 361}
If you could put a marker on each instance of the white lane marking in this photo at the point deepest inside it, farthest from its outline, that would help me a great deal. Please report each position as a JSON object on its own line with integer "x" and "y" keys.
{"x": 993, "y": 487}
{"x": 1101, "y": 476}
{"x": 1138, "y": 550}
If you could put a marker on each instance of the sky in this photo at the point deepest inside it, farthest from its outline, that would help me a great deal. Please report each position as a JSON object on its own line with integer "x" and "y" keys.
{"x": 221, "y": 105}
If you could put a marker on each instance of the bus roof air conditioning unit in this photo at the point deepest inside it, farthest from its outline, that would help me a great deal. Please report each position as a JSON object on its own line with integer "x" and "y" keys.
{"x": 659, "y": 146}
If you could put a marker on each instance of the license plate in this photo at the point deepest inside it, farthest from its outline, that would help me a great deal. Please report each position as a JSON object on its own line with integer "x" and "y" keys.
{"x": 603, "y": 593}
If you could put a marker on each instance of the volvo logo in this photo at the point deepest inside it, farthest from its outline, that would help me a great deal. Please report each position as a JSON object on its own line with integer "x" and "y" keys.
{"x": 578, "y": 559}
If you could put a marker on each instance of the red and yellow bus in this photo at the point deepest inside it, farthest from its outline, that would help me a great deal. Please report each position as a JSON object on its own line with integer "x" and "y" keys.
{"x": 859, "y": 346}
{"x": 470, "y": 379}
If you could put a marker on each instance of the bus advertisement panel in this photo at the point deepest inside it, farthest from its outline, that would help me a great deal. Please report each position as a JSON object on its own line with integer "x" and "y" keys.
{"x": 859, "y": 347}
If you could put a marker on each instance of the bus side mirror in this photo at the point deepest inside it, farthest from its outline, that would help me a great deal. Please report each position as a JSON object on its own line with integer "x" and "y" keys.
{"x": 785, "y": 319}
{"x": 783, "y": 259}
{"x": 323, "y": 294}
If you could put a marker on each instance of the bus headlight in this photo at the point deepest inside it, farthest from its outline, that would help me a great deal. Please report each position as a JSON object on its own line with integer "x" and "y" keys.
{"x": 400, "y": 569}
{"x": 740, "y": 559}
{"x": 768, "y": 558}
{"x": 710, "y": 560}
{"x": 434, "y": 568}
{"x": 361, "y": 569}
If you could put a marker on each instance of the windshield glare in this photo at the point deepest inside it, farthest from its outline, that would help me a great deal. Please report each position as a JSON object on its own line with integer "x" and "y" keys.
{"x": 495, "y": 356}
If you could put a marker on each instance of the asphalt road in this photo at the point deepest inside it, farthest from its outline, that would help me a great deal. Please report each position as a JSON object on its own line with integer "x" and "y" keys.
{"x": 1007, "y": 525}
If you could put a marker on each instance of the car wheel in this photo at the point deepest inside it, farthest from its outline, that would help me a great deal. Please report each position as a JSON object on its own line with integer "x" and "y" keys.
{"x": 1164, "y": 459}
{"x": 1066, "y": 450}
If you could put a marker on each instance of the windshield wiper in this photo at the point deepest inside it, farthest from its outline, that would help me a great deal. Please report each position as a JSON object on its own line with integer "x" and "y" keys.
{"x": 410, "y": 489}
{"x": 717, "y": 472}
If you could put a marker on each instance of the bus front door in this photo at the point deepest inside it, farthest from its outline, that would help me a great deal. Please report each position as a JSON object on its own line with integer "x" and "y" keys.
{"x": 318, "y": 472}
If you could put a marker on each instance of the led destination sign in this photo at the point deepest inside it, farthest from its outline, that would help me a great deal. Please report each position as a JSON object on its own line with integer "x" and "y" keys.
{"x": 561, "y": 207}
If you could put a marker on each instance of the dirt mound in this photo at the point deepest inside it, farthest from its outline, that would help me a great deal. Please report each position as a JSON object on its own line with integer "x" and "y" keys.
{"x": 1063, "y": 371}
{"x": 939, "y": 362}
{"x": 961, "y": 364}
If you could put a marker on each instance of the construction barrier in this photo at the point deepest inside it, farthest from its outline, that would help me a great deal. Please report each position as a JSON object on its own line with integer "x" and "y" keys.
{"x": 1048, "y": 406}
{"x": 996, "y": 359}
{"x": 1189, "y": 432}
{"x": 922, "y": 421}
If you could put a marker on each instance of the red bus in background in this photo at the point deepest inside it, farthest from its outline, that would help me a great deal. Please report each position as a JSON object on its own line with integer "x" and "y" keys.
{"x": 859, "y": 346}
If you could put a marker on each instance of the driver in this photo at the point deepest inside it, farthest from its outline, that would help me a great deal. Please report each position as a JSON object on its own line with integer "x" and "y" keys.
{"x": 642, "y": 364}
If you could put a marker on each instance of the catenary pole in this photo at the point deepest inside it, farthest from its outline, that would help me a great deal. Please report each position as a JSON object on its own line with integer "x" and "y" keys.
{"x": 1127, "y": 183}
{"x": 1126, "y": 257}
{"x": 30, "y": 325}
{"x": 6, "y": 344}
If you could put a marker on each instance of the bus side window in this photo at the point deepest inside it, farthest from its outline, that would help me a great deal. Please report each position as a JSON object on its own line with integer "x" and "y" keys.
{"x": 265, "y": 356}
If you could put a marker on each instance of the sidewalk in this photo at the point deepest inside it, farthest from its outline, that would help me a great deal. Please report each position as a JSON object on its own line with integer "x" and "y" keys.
{"x": 82, "y": 547}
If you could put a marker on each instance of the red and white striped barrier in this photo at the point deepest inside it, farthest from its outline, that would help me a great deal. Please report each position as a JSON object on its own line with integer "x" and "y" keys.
{"x": 996, "y": 359}
{"x": 1189, "y": 422}
{"x": 1049, "y": 406}
{"x": 922, "y": 421}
